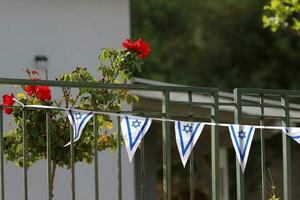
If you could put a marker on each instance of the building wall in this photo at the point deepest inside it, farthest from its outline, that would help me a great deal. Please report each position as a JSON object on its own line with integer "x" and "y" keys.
{"x": 69, "y": 33}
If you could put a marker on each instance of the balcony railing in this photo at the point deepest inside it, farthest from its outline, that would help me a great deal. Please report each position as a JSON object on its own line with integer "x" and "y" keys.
{"x": 213, "y": 105}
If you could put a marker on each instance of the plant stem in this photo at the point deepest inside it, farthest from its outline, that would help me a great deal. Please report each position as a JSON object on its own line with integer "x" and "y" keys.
{"x": 53, "y": 169}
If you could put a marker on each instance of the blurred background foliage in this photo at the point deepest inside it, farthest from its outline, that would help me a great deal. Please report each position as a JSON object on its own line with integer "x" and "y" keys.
{"x": 224, "y": 44}
{"x": 215, "y": 43}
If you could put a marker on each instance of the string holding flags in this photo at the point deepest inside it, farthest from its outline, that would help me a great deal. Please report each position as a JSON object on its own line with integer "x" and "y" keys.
{"x": 293, "y": 132}
{"x": 241, "y": 137}
{"x": 78, "y": 121}
{"x": 187, "y": 134}
{"x": 133, "y": 130}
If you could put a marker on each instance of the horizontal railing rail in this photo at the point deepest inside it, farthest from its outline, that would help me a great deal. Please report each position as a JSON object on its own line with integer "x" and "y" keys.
{"x": 52, "y": 83}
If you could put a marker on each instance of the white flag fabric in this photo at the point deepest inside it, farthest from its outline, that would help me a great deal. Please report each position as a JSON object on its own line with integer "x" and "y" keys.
{"x": 133, "y": 130}
{"x": 187, "y": 134}
{"x": 78, "y": 121}
{"x": 293, "y": 132}
{"x": 241, "y": 137}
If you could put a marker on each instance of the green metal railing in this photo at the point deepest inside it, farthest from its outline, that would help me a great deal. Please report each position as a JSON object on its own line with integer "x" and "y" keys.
{"x": 262, "y": 94}
{"x": 167, "y": 134}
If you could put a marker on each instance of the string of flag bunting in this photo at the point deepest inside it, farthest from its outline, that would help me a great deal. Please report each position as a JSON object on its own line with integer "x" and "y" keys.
{"x": 186, "y": 132}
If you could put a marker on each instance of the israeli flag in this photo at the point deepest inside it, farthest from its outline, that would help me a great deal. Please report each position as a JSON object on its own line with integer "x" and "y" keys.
{"x": 187, "y": 134}
{"x": 78, "y": 121}
{"x": 241, "y": 137}
{"x": 293, "y": 132}
{"x": 133, "y": 130}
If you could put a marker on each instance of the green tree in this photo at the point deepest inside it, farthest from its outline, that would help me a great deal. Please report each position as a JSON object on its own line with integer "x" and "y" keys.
{"x": 214, "y": 43}
{"x": 116, "y": 67}
{"x": 282, "y": 14}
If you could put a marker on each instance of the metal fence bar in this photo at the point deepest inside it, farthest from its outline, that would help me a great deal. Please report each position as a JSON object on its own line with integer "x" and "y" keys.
{"x": 262, "y": 148}
{"x": 119, "y": 160}
{"x": 215, "y": 157}
{"x": 196, "y": 104}
{"x": 2, "y": 155}
{"x": 142, "y": 151}
{"x": 53, "y": 83}
{"x": 25, "y": 149}
{"x": 192, "y": 179}
{"x": 269, "y": 92}
{"x": 142, "y": 165}
{"x": 73, "y": 190}
{"x": 240, "y": 185}
{"x": 96, "y": 173}
{"x": 166, "y": 146}
{"x": 286, "y": 151}
{"x": 48, "y": 140}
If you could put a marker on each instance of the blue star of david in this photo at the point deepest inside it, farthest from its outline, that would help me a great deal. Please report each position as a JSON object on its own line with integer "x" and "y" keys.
{"x": 78, "y": 116}
{"x": 242, "y": 134}
{"x": 136, "y": 123}
{"x": 188, "y": 128}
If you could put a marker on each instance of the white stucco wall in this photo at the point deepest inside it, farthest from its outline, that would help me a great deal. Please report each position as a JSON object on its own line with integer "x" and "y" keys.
{"x": 68, "y": 32}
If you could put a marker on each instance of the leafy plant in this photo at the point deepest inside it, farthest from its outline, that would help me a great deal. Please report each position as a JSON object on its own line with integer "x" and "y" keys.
{"x": 282, "y": 14}
{"x": 116, "y": 67}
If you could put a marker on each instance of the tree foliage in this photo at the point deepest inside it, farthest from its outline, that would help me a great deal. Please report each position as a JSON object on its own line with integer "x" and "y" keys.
{"x": 215, "y": 43}
{"x": 282, "y": 14}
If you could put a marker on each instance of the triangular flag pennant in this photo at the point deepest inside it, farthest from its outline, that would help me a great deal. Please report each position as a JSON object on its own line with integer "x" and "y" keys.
{"x": 134, "y": 129}
{"x": 241, "y": 137}
{"x": 187, "y": 134}
{"x": 293, "y": 132}
{"x": 78, "y": 121}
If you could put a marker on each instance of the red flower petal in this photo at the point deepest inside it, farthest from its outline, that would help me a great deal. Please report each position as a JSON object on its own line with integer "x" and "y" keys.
{"x": 43, "y": 93}
{"x": 128, "y": 44}
{"x": 7, "y": 100}
{"x": 31, "y": 89}
{"x": 140, "y": 47}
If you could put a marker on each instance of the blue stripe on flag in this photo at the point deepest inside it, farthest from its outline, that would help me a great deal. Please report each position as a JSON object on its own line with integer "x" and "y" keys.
{"x": 132, "y": 144}
{"x": 74, "y": 122}
{"x": 184, "y": 149}
{"x": 296, "y": 137}
{"x": 242, "y": 154}
{"x": 247, "y": 142}
{"x": 76, "y": 131}
{"x": 82, "y": 123}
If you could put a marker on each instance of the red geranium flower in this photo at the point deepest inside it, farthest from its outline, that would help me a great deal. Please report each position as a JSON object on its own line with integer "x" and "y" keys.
{"x": 128, "y": 44}
{"x": 140, "y": 47}
{"x": 8, "y": 100}
{"x": 143, "y": 48}
{"x": 31, "y": 89}
{"x": 43, "y": 93}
